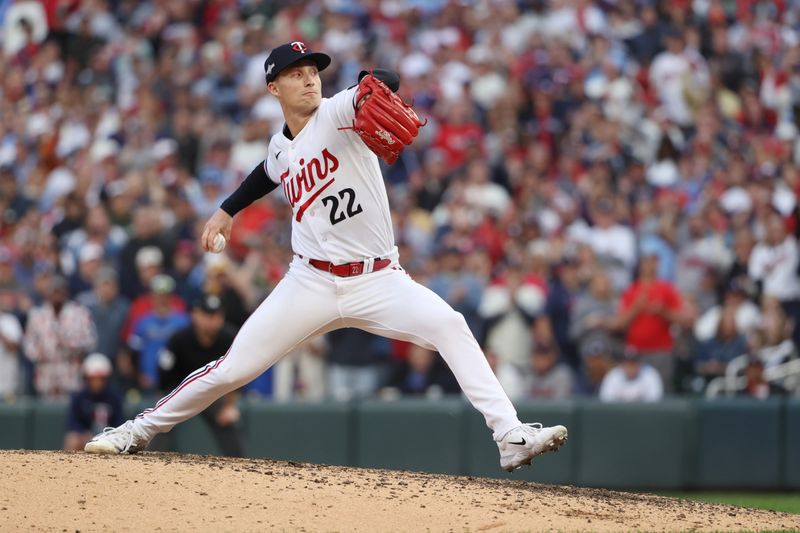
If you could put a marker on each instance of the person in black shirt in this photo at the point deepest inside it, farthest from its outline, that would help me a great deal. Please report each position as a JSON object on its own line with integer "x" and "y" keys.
{"x": 207, "y": 339}
{"x": 94, "y": 407}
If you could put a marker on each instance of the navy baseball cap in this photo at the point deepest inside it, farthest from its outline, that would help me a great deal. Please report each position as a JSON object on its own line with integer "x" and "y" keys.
{"x": 209, "y": 303}
{"x": 290, "y": 53}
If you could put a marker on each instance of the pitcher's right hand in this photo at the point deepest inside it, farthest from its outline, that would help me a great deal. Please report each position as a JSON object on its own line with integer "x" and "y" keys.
{"x": 220, "y": 222}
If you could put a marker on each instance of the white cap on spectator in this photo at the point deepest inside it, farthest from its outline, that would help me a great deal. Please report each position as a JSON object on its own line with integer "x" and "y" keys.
{"x": 736, "y": 200}
{"x": 784, "y": 200}
{"x": 53, "y": 73}
{"x": 10, "y": 328}
{"x": 8, "y": 154}
{"x": 96, "y": 365}
{"x": 786, "y": 131}
{"x": 663, "y": 174}
{"x": 595, "y": 86}
{"x": 90, "y": 251}
{"x": 109, "y": 124}
{"x": 488, "y": 89}
{"x": 454, "y": 75}
{"x": 60, "y": 182}
{"x": 531, "y": 298}
{"x": 415, "y": 65}
{"x": 72, "y": 137}
{"x": 38, "y": 124}
{"x": 480, "y": 54}
{"x": 213, "y": 52}
{"x": 102, "y": 149}
{"x": 549, "y": 221}
{"x": 620, "y": 89}
{"x": 164, "y": 148}
{"x": 149, "y": 256}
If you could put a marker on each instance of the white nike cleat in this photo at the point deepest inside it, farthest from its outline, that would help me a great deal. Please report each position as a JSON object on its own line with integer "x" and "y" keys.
{"x": 120, "y": 440}
{"x": 520, "y": 445}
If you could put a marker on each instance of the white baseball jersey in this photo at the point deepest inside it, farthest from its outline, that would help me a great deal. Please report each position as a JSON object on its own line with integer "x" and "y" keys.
{"x": 340, "y": 211}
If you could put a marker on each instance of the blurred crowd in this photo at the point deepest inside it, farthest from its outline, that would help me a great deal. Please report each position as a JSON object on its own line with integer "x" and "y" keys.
{"x": 606, "y": 190}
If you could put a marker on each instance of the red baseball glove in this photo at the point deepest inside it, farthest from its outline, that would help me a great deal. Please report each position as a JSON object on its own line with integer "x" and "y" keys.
{"x": 384, "y": 122}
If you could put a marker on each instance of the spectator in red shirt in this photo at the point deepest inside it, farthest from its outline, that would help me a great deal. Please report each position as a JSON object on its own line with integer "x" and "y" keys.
{"x": 458, "y": 134}
{"x": 648, "y": 309}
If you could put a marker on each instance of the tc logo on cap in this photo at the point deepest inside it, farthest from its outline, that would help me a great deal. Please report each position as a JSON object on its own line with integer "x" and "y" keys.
{"x": 287, "y": 54}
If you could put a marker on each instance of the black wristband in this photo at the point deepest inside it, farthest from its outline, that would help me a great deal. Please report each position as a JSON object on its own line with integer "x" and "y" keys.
{"x": 256, "y": 185}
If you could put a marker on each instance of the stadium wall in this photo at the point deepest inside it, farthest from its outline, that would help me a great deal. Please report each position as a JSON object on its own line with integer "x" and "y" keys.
{"x": 671, "y": 445}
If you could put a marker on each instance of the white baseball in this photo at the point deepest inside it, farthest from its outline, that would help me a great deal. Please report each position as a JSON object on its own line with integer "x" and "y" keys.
{"x": 219, "y": 243}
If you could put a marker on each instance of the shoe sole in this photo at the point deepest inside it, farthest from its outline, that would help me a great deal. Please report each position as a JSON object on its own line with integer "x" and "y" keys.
{"x": 553, "y": 445}
{"x": 100, "y": 447}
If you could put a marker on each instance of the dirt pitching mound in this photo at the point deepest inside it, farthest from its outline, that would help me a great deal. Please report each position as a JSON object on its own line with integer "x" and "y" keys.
{"x": 56, "y": 491}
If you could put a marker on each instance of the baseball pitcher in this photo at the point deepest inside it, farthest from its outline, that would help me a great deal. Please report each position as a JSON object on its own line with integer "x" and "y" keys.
{"x": 345, "y": 271}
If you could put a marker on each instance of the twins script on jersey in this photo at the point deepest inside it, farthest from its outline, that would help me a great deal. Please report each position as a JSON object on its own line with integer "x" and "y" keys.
{"x": 333, "y": 182}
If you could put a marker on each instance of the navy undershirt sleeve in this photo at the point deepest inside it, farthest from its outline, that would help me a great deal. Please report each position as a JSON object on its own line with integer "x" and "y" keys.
{"x": 256, "y": 185}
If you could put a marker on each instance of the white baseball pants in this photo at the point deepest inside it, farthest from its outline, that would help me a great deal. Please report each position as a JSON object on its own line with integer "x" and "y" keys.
{"x": 309, "y": 302}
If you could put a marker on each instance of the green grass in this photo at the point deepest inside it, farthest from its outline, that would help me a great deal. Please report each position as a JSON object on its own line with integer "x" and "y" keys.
{"x": 776, "y": 501}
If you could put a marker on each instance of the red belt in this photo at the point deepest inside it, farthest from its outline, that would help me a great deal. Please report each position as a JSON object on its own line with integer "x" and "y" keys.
{"x": 348, "y": 269}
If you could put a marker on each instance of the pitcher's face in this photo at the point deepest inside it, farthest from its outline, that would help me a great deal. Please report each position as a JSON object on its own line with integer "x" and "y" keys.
{"x": 298, "y": 86}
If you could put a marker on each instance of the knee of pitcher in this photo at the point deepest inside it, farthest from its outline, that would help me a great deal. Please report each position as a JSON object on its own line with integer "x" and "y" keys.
{"x": 452, "y": 321}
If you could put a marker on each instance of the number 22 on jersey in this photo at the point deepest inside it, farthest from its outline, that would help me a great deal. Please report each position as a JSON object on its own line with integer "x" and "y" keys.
{"x": 350, "y": 209}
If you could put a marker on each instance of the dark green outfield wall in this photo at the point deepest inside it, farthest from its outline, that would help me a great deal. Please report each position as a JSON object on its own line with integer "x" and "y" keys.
{"x": 676, "y": 444}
